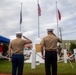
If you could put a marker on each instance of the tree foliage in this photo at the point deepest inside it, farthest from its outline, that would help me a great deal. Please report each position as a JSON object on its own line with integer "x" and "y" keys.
{"x": 72, "y": 46}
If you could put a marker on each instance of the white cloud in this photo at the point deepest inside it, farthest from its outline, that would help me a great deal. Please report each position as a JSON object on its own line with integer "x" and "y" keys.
{"x": 10, "y": 17}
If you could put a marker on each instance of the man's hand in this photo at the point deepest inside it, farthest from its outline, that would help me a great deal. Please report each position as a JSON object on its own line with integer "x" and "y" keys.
{"x": 10, "y": 59}
{"x": 43, "y": 57}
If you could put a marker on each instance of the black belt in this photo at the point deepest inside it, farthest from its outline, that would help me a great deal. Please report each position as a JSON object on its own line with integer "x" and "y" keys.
{"x": 17, "y": 53}
{"x": 50, "y": 49}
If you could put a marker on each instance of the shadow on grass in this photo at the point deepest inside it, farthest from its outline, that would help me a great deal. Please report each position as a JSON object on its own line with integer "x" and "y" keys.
{"x": 39, "y": 74}
{"x": 44, "y": 74}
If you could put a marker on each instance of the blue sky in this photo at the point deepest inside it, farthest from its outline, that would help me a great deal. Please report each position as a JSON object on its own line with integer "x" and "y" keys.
{"x": 10, "y": 17}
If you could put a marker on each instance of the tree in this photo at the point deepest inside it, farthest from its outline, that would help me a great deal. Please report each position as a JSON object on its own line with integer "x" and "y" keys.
{"x": 72, "y": 47}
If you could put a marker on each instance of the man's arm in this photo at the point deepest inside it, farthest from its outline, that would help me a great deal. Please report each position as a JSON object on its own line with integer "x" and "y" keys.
{"x": 59, "y": 40}
{"x": 42, "y": 50}
{"x": 9, "y": 50}
{"x": 29, "y": 41}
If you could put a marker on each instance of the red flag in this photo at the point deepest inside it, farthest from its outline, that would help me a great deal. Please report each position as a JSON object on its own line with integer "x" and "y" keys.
{"x": 39, "y": 10}
{"x": 59, "y": 15}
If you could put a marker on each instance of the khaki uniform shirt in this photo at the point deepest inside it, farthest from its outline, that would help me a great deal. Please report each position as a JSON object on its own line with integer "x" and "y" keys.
{"x": 50, "y": 42}
{"x": 17, "y": 45}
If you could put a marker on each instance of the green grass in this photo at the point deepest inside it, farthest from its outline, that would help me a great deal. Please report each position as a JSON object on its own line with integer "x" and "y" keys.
{"x": 63, "y": 69}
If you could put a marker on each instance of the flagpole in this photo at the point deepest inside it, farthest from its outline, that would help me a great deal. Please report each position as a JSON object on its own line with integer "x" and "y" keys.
{"x": 38, "y": 22}
{"x": 57, "y": 19}
{"x": 20, "y": 17}
{"x": 60, "y": 30}
{"x": 20, "y": 27}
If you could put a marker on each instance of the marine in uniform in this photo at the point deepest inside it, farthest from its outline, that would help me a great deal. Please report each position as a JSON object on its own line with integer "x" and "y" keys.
{"x": 17, "y": 47}
{"x": 49, "y": 42}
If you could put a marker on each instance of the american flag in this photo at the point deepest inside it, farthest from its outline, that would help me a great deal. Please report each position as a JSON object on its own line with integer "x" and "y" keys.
{"x": 59, "y": 15}
{"x": 39, "y": 10}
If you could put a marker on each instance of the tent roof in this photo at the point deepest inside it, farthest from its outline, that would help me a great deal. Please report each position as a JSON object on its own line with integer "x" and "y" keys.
{"x": 4, "y": 39}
